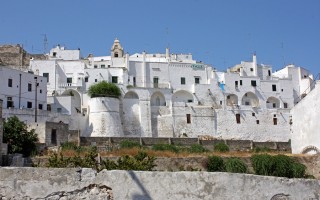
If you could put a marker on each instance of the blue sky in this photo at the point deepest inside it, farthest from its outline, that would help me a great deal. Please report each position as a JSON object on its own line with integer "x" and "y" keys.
{"x": 222, "y": 33}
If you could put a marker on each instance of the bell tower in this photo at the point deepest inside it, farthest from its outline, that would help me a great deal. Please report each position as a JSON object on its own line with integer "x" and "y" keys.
{"x": 116, "y": 49}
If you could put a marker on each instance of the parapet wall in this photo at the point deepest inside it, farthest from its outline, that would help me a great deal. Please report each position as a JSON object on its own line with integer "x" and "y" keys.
{"x": 44, "y": 183}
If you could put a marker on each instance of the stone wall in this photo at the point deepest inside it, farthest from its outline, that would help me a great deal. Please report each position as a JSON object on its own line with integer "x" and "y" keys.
{"x": 43, "y": 183}
{"x": 234, "y": 145}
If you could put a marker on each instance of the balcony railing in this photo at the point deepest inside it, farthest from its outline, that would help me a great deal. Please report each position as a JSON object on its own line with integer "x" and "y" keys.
{"x": 70, "y": 85}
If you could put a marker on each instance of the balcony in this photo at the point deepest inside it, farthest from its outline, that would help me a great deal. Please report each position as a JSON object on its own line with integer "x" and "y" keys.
{"x": 70, "y": 85}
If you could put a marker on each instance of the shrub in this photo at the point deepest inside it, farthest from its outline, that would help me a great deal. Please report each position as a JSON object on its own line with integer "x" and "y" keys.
{"x": 221, "y": 147}
{"x": 104, "y": 89}
{"x": 127, "y": 144}
{"x": 263, "y": 164}
{"x": 197, "y": 148}
{"x": 283, "y": 166}
{"x": 165, "y": 147}
{"x": 141, "y": 162}
{"x": 261, "y": 149}
{"x": 298, "y": 170}
{"x": 235, "y": 165}
{"x": 215, "y": 164}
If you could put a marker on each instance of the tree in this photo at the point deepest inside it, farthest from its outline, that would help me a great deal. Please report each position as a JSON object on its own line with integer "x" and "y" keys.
{"x": 104, "y": 89}
{"x": 18, "y": 138}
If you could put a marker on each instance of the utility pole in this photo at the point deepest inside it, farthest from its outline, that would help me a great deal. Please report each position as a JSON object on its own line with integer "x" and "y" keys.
{"x": 36, "y": 100}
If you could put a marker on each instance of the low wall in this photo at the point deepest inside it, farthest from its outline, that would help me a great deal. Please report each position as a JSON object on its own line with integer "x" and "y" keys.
{"x": 43, "y": 183}
{"x": 234, "y": 145}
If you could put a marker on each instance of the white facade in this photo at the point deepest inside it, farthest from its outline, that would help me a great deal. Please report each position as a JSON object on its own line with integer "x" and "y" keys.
{"x": 171, "y": 95}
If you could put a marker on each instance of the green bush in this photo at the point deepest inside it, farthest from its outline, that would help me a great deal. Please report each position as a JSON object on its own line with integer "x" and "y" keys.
{"x": 221, "y": 147}
{"x": 165, "y": 147}
{"x": 263, "y": 164}
{"x": 235, "y": 165}
{"x": 197, "y": 148}
{"x": 279, "y": 165}
{"x": 261, "y": 149}
{"x": 127, "y": 144}
{"x": 141, "y": 162}
{"x": 104, "y": 89}
{"x": 215, "y": 164}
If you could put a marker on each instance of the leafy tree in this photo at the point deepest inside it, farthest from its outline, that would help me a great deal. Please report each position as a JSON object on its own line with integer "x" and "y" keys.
{"x": 104, "y": 89}
{"x": 18, "y": 138}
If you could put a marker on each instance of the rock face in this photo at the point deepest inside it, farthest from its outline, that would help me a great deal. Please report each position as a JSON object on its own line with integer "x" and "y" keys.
{"x": 44, "y": 183}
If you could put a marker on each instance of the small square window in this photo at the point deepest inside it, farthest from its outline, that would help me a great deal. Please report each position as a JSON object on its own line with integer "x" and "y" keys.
{"x": 197, "y": 80}
{"x": 86, "y": 79}
{"x": 220, "y": 102}
{"x": 103, "y": 66}
{"x": 46, "y": 75}
{"x": 274, "y": 88}
{"x": 253, "y": 114}
{"x": 253, "y": 83}
{"x": 69, "y": 80}
{"x": 40, "y": 106}
{"x": 95, "y": 80}
{"x": 275, "y": 121}
{"x": 29, "y": 104}
{"x": 285, "y": 105}
{"x": 114, "y": 79}
{"x": 281, "y": 90}
{"x": 251, "y": 69}
{"x": 95, "y": 66}
{"x": 247, "y": 103}
{"x": 54, "y": 54}
{"x": 274, "y": 115}
{"x": 257, "y": 121}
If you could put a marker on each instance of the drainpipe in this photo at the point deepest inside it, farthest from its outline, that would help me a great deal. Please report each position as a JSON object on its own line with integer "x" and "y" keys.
{"x": 20, "y": 91}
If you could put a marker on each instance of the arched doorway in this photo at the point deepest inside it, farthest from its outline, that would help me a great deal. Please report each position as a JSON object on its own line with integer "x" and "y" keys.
{"x": 250, "y": 99}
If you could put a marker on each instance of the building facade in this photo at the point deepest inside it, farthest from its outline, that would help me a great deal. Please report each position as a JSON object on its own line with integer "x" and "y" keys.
{"x": 171, "y": 95}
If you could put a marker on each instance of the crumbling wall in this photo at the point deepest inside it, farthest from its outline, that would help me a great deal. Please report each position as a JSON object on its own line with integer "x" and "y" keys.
{"x": 49, "y": 183}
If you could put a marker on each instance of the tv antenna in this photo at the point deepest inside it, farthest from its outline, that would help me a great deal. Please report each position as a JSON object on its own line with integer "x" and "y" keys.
{"x": 45, "y": 43}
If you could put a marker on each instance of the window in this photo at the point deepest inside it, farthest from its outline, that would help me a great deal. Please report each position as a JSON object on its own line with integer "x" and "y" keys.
{"x": 114, "y": 79}
{"x": 155, "y": 82}
{"x": 116, "y": 55}
{"x": 247, "y": 103}
{"x": 190, "y": 100}
{"x": 29, "y": 87}
{"x": 238, "y": 118}
{"x": 274, "y": 105}
{"x": 240, "y": 82}
{"x": 40, "y": 91}
{"x": 29, "y": 104}
{"x": 86, "y": 79}
{"x": 236, "y": 84}
{"x": 10, "y": 102}
{"x": 269, "y": 73}
{"x": 251, "y": 69}
{"x": 285, "y": 105}
{"x": 103, "y": 66}
{"x": 48, "y": 107}
{"x": 257, "y": 121}
{"x": 95, "y": 80}
{"x": 134, "y": 82}
{"x": 54, "y": 54}
{"x": 220, "y": 102}
{"x": 183, "y": 81}
{"x": 274, "y": 88}
{"x": 95, "y": 66}
{"x": 253, "y": 83}
{"x": 69, "y": 80}
{"x": 40, "y": 106}
{"x": 197, "y": 80}
{"x": 54, "y": 136}
{"x": 253, "y": 114}
{"x": 188, "y": 118}
{"x": 46, "y": 75}
{"x": 9, "y": 82}
{"x": 275, "y": 121}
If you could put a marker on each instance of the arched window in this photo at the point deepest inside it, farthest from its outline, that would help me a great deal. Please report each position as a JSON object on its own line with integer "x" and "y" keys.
{"x": 116, "y": 55}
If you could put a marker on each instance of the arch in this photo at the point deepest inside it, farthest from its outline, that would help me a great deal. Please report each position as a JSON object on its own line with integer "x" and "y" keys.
{"x": 182, "y": 96}
{"x": 250, "y": 99}
{"x": 131, "y": 95}
{"x": 116, "y": 55}
{"x": 232, "y": 100}
{"x": 273, "y": 102}
{"x": 75, "y": 100}
{"x": 310, "y": 150}
{"x": 157, "y": 99}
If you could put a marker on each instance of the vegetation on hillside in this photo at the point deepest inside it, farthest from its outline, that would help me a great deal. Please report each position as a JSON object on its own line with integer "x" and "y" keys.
{"x": 104, "y": 89}
{"x": 18, "y": 138}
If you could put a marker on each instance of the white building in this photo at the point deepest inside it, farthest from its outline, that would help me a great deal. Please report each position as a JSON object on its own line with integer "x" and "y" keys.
{"x": 171, "y": 95}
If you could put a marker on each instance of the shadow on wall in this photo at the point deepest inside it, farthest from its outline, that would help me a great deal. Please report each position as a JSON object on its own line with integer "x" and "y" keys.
{"x": 145, "y": 194}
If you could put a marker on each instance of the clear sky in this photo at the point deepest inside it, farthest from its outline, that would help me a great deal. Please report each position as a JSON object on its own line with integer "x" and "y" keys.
{"x": 222, "y": 33}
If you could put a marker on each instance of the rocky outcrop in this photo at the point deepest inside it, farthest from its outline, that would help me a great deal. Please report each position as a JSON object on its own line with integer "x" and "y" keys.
{"x": 44, "y": 183}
